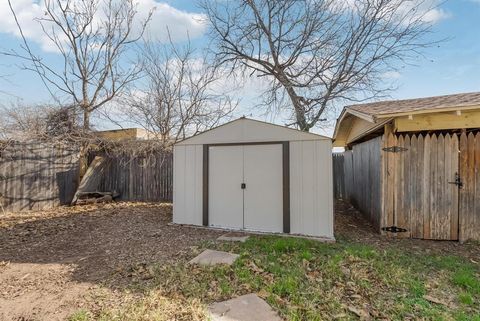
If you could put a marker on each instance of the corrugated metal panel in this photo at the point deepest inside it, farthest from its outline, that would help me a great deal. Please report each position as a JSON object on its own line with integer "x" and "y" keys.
{"x": 226, "y": 198}
{"x": 311, "y": 195}
{"x": 187, "y": 184}
{"x": 263, "y": 196}
{"x": 178, "y": 184}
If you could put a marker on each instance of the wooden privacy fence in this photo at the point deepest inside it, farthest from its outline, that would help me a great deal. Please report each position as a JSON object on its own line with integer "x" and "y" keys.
{"x": 469, "y": 167}
{"x": 338, "y": 174}
{"x": 425, "y": 203}
{"x": 357, "y": 177}
{"x": 366, "y": 186}
{"x": 134, "y": 177}
{"x": 426, "y": 184}
{"x": 36, "y": 176}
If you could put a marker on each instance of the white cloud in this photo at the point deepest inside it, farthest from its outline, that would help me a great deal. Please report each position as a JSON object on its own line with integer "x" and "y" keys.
{"x": 27, "y": 11}
{"x": 426, "y": 10}
{"x": 391, "y": 75}
{"x": 435, "y": 15}
{"x": 180, "y": 23}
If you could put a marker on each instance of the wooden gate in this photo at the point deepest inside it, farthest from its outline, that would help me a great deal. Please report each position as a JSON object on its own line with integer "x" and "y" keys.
{"x": 426, "y": 198}
{"x": 433, "y": 185}
{"x": 470, "y": 191}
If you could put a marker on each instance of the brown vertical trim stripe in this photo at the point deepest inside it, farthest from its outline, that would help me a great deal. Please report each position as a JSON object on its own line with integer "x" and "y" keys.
{"x": 286, "y": 186}
{"x": 205, "y": 186}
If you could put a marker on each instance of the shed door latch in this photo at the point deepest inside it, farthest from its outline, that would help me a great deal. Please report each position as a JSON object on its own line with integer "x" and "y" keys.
{"x": 243, "y": 186}
{"x": 458, "y": 181}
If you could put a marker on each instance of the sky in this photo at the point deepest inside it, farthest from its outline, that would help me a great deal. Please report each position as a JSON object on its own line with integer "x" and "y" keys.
{"x": 451, "y": 67}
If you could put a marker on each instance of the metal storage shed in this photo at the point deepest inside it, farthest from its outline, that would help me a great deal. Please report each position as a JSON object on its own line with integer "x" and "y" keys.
{"x": 252, "y": 175}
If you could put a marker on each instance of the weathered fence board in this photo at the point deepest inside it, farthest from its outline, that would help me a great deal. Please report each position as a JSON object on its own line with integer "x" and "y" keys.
{"x": 361, "y": 177}
{"x": 135, "y": 178}
{"x": 348, "y": 173}
{"x": 426, "y": 204}
{"x": 36, "y": 176}
{"x": 338, "y": 173}
{"x": 470, "y": 193}
{"x": 416, "y": 184}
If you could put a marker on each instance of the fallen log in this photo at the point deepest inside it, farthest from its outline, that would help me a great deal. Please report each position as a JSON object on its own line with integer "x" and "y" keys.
{"x": 95, "y": 200}
{"x": 91, "y": 179}
{"x": 95, "y": 197}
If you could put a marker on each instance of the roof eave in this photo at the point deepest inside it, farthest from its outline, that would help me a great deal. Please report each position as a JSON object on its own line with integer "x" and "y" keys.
{"x": 347, "y": 111}
{"x": 427, "y": 111}
{"x": 379, "y": 125}
{"x": 359, "y": 114}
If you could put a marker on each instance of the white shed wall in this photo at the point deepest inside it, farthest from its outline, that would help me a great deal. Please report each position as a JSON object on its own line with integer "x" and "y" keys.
{"x": 187, "y": 184}
{"x": 311, "y": 192}
{"x": 311, "y": 181}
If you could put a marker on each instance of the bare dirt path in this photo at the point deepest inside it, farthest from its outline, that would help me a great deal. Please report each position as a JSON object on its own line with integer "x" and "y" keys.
{"x": 53, "y": 262}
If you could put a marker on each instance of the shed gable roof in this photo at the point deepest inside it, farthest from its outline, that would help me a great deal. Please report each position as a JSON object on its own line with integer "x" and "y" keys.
{"x": 245, "y": 130}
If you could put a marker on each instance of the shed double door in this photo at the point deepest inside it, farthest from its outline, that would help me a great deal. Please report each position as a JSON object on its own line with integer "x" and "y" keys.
{"x": 245, "y": 187}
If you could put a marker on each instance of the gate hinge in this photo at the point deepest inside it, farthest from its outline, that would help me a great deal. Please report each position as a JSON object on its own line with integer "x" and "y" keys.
{"x": 394, "y": 229}
{"x": 394, "y": 149}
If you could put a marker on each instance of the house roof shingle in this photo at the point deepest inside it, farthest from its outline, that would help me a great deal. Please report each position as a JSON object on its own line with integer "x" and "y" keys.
{"x": 382, "y": 108}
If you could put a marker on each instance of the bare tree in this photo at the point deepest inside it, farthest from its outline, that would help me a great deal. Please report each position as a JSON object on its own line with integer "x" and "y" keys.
{"x": 92, "y": 38}
{"x": 317, "y": 52}
{"x": 183, "y": 94}
{"x": 51, "y": 123}
{"x": 62, "y": 125}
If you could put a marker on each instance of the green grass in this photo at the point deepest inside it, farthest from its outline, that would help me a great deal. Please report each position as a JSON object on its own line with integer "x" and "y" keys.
{"x": 307, "y": 280}
{"x": 80, "y": 315}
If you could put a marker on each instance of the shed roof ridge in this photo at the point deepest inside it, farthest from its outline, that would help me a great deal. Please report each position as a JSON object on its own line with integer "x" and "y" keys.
{"x": 243, "y": 118}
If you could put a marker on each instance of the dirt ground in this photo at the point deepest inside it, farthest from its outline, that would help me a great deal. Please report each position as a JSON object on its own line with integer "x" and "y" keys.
{"x": 53, "y": 262}
{"x": 56, "y": 262}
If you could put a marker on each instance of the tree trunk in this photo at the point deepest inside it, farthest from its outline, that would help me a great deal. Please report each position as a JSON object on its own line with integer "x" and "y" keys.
{"x": 300, "y": 119}
{"x": 299, "y": 110}
{"x": 84, "y": 148}
{"x": 86, "y": 120}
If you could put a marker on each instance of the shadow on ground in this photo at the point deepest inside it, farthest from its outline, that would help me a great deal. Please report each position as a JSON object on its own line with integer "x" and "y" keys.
{"x": 351, "y": 225}
{"x": 99, "y": 242}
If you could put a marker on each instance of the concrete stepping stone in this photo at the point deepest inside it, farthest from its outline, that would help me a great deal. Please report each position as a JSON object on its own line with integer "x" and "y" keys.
{"x": 211, "y": 257}
{"x": 233, "y": 237}
{"x": 244, "y": 308}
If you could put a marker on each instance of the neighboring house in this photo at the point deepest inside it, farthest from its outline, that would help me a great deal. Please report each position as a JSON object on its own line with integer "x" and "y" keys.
{"x": 126, "y": 134}
{"x": 413, "y": 166}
